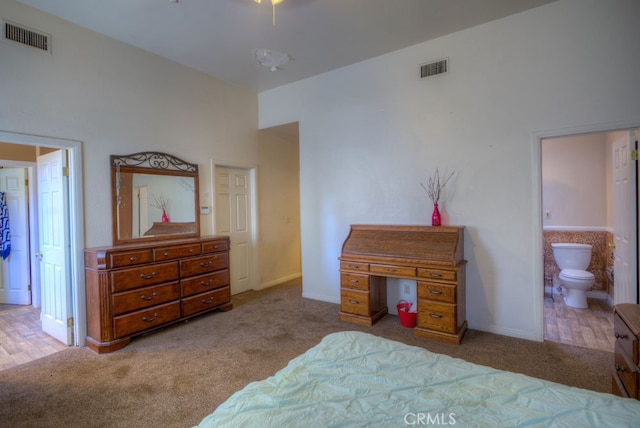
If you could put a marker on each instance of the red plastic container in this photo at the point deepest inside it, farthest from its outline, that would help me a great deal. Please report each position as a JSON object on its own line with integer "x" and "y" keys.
{"x": 407, "y": 319}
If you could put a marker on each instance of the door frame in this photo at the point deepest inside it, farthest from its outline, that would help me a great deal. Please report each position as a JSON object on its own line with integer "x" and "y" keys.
{"x": 76, "y": 221}
{"x": 536, "y": 165}
{"x": 253, "y": 179}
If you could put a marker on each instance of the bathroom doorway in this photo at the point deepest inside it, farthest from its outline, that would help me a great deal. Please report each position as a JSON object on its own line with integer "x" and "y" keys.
{"x": 581, "y": 203}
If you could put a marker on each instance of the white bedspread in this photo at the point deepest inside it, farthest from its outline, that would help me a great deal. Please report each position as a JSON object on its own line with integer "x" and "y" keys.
{"x": 354, "y": 379}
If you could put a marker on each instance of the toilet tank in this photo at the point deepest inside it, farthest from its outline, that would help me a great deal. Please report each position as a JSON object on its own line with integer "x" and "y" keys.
{"x": 571, "y": 256}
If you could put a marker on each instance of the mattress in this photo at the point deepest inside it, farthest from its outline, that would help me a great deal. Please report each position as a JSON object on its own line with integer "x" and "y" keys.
{"x": 354, "y": 379}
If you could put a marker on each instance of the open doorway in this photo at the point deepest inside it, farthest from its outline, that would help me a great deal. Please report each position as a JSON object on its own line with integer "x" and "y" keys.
{"x": 15, "y": 145}
{"x": 585, "y": 201}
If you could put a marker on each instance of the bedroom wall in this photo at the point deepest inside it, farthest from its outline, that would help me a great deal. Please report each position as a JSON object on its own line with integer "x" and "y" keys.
{"x": 118, "y": 99}
{"x": 373, "y": 131}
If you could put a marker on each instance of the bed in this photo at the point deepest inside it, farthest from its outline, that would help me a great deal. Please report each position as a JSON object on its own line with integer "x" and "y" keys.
{"x": 353, "y": 379}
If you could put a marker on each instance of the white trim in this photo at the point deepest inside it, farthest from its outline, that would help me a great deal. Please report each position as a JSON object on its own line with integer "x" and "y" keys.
{"x": 76, "y": 221}
{"x": 281, "y": 280}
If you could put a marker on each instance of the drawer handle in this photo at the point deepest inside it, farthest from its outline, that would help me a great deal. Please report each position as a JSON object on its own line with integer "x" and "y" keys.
{"x": 148, "y": 298}
{"x": 208, "y": 301}
{"x": 166, "y": 254}
{"x": 155, "y": 317}
{"x": 191, "y": 250}
{"x": 621, "y": 336}
{"x": 619, "y": 369}
{"x": 205, "y": 284}
{"x": 392, "y": 270}
{"x": 435, "y": 275}
{"x": 132, "y": 259}
{"x": 354, "y": 302}
{"x": 354, "y": 280}
{"x": 143, "y": 276}
{"x": 433, "y": 315}
{"x": 354, "y": 266}
{"x": 204, "y": 265}
{"x": 435, "y": 291}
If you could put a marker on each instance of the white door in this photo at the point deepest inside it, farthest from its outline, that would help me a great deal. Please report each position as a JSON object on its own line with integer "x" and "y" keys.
{"x": 624, "y": 222}
{"x": 15, "y": 278}
{"x": 233, "y": 218}
{"x": 54, "y": 246}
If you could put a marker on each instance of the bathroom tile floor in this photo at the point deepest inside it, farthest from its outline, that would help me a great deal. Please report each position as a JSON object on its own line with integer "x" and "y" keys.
{"x": 589, "y": 328}
{"x": 21, "y": 337}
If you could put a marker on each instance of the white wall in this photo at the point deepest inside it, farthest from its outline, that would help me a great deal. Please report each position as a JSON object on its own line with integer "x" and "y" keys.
{"x": 370, "y": 132}
{"x": 117, "y": 99}
{"x": 574, "y": 182}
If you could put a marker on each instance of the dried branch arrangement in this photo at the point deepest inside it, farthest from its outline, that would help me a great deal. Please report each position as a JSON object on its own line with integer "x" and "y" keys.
{"x": 435, "y": 185}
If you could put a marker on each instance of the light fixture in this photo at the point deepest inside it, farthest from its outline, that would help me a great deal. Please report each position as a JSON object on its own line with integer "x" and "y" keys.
{"x": 271, "y": 59}
{"x": 273, "y": 5}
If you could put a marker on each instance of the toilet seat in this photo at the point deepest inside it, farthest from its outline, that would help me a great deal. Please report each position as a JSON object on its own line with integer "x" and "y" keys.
{"x": 576, "y": 274}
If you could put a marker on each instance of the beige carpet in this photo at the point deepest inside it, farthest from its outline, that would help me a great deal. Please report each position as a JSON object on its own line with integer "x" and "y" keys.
{"x": 176, "y": 376}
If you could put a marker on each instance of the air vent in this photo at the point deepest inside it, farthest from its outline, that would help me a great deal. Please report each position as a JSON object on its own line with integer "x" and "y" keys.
{"x": 26, "y": 36}
{"x": 434, "y": 68}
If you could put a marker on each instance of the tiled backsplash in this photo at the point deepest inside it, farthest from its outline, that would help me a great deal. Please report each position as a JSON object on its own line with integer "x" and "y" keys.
{"x": 600, "y": 254}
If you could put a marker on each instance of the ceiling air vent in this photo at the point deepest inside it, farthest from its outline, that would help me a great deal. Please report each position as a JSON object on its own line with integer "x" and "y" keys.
{"x": 436, "y": 67}
{"x": 26, "y": 36}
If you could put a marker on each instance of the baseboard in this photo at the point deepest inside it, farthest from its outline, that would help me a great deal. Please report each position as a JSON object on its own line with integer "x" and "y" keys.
{"x": 601, "y": 295}
{"x": 281, "y": 280}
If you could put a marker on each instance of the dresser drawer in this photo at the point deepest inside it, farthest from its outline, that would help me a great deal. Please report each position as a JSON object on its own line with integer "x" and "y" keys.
{"x": 202, "y": 302}
{"x": 625, "y": 337}
{"x": 440, "y": 292}
{"x": 202, "y": 283}
{"x": 139, "y": 321}
{"x": 626, "y": 370}
{"x": 362, "y": 267}
{"x": 144, "y": 297}
{"x": 200, "y": 265}
{"x": 215, "y": 246}
{"x": 169, "y": 253}
{"x": 393, "y": 270}
{"x": 446, "y": 275}
{"x": 437, "y": 316}
{"x": 354, "y": 281}
{"x": 355, "y": 302}
{"x": 127, "y": 279}
{"x": 130, "y": 258}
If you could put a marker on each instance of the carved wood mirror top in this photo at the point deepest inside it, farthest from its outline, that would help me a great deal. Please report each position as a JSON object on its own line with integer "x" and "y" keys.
{"x": 154, "y": 197}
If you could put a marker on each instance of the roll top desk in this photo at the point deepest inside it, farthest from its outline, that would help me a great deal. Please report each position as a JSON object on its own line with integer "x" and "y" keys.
{"x": 433, "y": 256}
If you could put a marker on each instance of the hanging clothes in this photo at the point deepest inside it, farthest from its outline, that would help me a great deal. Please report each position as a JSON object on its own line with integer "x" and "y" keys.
{"x": 5, "y": 236}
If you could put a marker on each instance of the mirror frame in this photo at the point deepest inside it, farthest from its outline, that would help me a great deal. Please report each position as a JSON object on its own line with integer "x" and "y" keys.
{"x": 151, "y": 163}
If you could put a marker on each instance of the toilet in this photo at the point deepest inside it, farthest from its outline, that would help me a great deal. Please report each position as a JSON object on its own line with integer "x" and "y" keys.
{"x": 573, "y": 260}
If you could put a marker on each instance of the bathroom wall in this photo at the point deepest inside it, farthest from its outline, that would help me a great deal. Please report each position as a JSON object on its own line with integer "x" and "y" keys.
{"x": 577, "y": 201}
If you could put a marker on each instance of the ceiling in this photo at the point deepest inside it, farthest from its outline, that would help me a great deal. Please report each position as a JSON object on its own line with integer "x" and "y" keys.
{"x": 219, "y": 37}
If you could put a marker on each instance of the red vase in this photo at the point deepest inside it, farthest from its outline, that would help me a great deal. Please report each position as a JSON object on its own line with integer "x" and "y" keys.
{"x": 165, "y": 219}
{"x": 435, "y": 217}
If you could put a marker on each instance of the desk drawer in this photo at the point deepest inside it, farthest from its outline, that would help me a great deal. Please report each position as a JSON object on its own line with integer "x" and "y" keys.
{"x": 446, "y": 275}
{"x": 200, "y": 265}
{"x": 440, "y": 292}
{"x": 168, "y": 253}
{"x": 355, "y": 302}
{"x": 214, "y": 247}
{"x": 625, "y": 338}
{"x": 392, "y": 270}
{"x": 143, "y": 276}
{"x": 626, "y": 370}
{"x": 202, "y": 302}
{"x": 130, "y": 258}
{"x": 363, "y": 267}
{"x": 144, "y": 297}
{"x": 140, "y": 321}
{"x": 437, "y": 316}
{"x": 202, "y": 283}
{"x": 354, "y": 281}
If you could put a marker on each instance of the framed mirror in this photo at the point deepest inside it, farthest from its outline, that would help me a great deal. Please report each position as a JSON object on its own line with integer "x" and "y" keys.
{"x": 154, "y": 197}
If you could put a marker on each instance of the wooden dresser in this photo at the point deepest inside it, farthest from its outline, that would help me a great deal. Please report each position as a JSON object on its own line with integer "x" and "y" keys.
{"x": 132, "y": 289}
{"x": 433, "y": 256}
{"x": 626, "y": 327}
